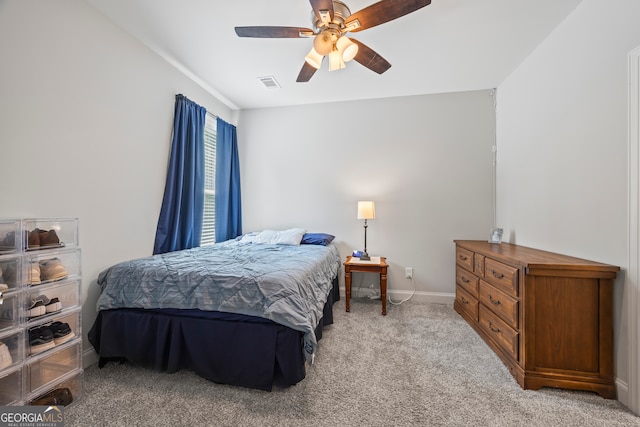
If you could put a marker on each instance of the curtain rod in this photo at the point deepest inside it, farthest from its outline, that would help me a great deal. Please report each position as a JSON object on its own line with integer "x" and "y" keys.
{"x": 212, "y": 115}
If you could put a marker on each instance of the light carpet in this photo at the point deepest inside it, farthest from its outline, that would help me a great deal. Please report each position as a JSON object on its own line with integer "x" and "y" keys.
{"x": 422, "y": 364}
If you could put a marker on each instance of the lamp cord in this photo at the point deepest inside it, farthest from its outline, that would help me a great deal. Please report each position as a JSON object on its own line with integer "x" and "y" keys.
{"x": 404, "y": 300}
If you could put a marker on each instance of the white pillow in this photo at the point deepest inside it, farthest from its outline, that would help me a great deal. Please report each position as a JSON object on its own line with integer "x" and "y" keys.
{"x": 292, "y": 236}
{"x": 249, "y": 237}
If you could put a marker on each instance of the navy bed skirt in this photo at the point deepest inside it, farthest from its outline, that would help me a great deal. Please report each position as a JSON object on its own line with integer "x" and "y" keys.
{"x": 225, "y": 348}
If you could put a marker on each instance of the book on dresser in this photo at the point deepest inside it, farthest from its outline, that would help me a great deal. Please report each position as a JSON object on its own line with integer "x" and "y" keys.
{"x": 549, "y": 317}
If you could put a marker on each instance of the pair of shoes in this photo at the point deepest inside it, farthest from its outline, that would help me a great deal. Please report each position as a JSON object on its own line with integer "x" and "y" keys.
{"x": 48, "y": 336}
{"x": 10, "y": 273}
{"x": 57, "y": 397}
{"x": 33, "y": 273}
{"x": 7, "y": 316}
{"x": 5, "y": 356}
{"x": 51, "y": 270}
{"x": 40, "y": 339}
{"x": 42, "y": 305}
{"x": 30, "y": 272}
{"x": 8, "y": 243}
{"x": 39, "y": 238}
{"x": 3, "y": 285}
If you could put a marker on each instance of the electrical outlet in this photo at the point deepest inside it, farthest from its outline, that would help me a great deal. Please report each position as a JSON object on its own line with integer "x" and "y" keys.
{"x": 408, "y": 272}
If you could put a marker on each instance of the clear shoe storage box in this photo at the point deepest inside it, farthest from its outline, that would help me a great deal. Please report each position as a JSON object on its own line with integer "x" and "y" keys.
{"x": 64, "y": 391}
{"x": 50, "y": 233}
{"x": 11, "y": 349}
{"x": 43, "y": 267}
{"x": 11, "y": 371}
{"x": 11, "y": 273}
{"x": 35, "y": 348}
{"x": 51, "y": 299}
{"x": 10, "y": 236}
{"x": 45, "y": 369}
{"x": 10, "y": 316}
{"x": 11, "y": 387}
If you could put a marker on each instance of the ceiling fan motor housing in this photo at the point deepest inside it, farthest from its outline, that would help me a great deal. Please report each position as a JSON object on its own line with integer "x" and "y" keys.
{"x": 340, "y": 13}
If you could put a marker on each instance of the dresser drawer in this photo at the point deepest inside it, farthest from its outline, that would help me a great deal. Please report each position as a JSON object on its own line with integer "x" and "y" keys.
{"x": 467, "y": 280}
{"x": 500, "y": 303}
{"x": 501, "y": 275}
{"x": 464, "y": 258}
{"x": 499, "y": 331}
{"x": 467, "y": 302}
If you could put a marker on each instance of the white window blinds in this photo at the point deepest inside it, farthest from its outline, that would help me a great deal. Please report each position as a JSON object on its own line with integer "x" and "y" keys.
{"x": 209, "y": 222}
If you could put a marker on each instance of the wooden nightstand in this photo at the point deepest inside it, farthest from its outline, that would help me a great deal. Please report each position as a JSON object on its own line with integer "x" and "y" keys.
{"x": 354, "y": 264}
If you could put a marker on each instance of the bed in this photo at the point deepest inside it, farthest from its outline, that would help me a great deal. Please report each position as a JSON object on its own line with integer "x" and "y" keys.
{"x": 246, "y": 312}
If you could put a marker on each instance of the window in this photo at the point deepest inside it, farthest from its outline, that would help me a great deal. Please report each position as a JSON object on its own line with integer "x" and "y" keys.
{"x": 209, "y": 216}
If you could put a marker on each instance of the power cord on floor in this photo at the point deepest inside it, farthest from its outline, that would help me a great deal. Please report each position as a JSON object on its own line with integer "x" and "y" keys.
{"x": 356, "y": 293}
{"x": 404, "y": 300}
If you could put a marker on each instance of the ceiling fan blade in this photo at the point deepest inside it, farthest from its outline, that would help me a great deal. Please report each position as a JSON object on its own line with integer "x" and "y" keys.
{"x": 274, "y": 32}
{"x": 319, "y": 5}
{"x": 306, "y": 73}
{"x": 370, "y": 58}
{"x": 384, "y": 11}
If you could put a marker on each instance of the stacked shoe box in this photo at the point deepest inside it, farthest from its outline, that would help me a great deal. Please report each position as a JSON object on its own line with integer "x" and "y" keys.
{"x": 12, "y": 331}
{"x": 49, "y": 312}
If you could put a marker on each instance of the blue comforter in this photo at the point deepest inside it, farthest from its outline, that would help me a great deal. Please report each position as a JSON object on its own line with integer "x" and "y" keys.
{"x": 284, "y": 283}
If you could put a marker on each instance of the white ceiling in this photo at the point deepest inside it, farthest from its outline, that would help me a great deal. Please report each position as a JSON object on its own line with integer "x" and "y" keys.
{"x": 448, "y": 46}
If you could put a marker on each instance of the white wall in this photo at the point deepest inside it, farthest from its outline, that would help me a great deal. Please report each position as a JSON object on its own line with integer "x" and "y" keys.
{"x": 85, "y": 125}
{"x": 425, "y": 161}
{"x": 562, "y": 145}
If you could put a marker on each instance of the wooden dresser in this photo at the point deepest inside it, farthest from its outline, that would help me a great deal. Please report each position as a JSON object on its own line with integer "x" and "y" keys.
{"x": 547, "y": 316}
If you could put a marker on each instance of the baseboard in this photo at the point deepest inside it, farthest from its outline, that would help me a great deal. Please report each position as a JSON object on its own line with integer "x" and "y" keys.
{"x": 422, "y": 297}
{"x": 622, "y": 390}
{"x": 418, "y": 296}
{"x": 89, "y": 357}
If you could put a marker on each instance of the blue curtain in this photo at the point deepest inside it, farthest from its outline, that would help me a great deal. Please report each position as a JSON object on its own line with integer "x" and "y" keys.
{"x": 180, "y": 221}
{"x": 228, "y": 204}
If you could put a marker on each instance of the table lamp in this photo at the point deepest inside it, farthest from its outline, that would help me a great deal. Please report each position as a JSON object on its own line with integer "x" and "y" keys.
{"x": 366, "y": 210}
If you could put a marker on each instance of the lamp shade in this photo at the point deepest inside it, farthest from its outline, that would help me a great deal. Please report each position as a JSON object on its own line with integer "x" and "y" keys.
{"x": 366, "y": 210}
{"x": 314, "y": 59}
{"x": 335, "y": 61}
{"x": 347, "y": 48}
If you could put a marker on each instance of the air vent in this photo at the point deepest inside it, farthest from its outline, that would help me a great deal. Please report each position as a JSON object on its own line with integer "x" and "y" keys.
{"x": 269, "y": 82}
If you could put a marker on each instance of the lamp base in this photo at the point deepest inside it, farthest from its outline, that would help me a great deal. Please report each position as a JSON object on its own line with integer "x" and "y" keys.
{"x": 365, "y": 257}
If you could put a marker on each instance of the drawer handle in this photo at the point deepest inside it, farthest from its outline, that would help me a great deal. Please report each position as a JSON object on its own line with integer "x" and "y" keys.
{"x": 497, "y": 330}
{"x": 463, "y": 258}
{"x": 494, "y": 301}
{"x": 464, "y": 279}
{"x": 497, "y": 275}
{"x": 464, "y": 301}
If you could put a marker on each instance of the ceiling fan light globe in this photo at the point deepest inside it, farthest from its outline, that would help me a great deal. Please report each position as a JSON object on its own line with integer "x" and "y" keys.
{"x": 347, "y": 48}
{"x": 335, "y": 61}
{"x": 314, "y": 59}
{"x": 323, "y": 43}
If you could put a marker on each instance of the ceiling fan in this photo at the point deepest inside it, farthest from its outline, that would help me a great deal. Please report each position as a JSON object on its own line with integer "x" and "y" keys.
{"x": 331, "y": 21}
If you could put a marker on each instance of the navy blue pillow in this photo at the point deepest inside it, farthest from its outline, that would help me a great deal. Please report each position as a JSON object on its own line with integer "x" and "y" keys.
{"x": 317, "y": 239}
